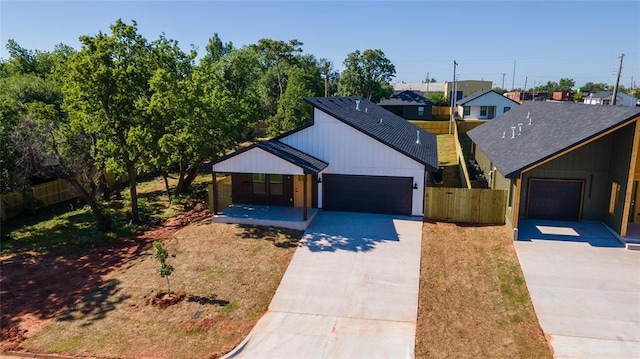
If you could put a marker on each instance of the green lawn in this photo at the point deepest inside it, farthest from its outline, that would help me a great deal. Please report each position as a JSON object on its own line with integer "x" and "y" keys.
{"x": 447, "y": 150}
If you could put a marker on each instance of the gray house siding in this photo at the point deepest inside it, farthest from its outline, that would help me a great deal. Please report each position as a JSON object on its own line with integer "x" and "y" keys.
{"x": 597, "y": 164}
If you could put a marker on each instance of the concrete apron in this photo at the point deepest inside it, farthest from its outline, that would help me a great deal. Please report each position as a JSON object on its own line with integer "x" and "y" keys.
{"x": 350, "y": 291}
{"x": 585, "y": 288}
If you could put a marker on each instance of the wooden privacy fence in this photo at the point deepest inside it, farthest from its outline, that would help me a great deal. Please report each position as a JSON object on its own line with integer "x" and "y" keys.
{"x": 462, "y": 164}
{"x": 468, "y": 205}
{"x": 224, "y": 192}
{"x": 42, "y": 195}
{"x": 468, "y": 125}
{"x": 441, "y": 110}
{"x": 435, "y": 127}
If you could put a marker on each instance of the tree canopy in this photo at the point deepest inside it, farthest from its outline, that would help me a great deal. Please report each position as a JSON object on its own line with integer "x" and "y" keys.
{"x": 367, "y": 74}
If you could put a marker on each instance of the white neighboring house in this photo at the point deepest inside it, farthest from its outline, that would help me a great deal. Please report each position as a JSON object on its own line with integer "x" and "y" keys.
{"x": 484, "y": 105}
{"x": 604, "y": 98}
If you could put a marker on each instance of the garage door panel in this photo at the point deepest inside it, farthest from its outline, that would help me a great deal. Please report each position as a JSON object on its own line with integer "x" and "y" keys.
{"x": 375, "y": 194}
{"x": 555, "y": 199}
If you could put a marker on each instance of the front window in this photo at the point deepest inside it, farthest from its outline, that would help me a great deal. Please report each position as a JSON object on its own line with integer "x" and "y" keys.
{"x": 276, "y": 186}
{"x": 259, "y": 184}
{"x": 467, "y": 111}
{"x": 483, "y": 111}
{"x": 420, "y": 111}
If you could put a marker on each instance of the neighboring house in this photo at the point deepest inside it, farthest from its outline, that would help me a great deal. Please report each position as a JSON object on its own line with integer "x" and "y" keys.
{"x": 408, "y": 105}
{"x": 422, "y": 88}
{"x": 465, "y": 88}
{"x": 354, "y": 156}
{"x": 605, "y": 97}
{"x": 564, "y": 161}
{"x": 484, "y": 105}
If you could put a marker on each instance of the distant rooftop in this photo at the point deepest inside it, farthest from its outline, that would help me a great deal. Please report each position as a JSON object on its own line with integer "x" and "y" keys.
{"x": 418, "y": 86}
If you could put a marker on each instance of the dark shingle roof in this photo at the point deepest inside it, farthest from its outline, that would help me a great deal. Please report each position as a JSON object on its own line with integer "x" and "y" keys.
{"x": 394, "y": 131}
{"x": 309, "y": 163}
{"x": 303, "y": 160}
{"x": 477, "y": 94}
{"x": 555, "y": 127}
{"x": 406, "y": 98}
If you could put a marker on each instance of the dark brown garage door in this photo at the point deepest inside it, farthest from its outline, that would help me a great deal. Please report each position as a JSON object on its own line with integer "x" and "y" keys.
{"x": 372, "y": 194}
{"x": 555, "y": 199}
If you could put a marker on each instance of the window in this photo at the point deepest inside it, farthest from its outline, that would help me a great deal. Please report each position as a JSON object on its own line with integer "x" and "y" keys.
{"x": 259, "y": 184}
{"x": 506, "y": 108}
{"x": 466, "y": 111}
{"x": 420, "y": 111}
{"x": 483, "y": 111}
{"x": 275, "y": 185}
{"x": 615, "y": 188}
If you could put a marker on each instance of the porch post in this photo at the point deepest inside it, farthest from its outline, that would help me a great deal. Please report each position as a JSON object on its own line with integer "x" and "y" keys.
{"x": 214, "y": 189}
{"x": 304, "y": 197}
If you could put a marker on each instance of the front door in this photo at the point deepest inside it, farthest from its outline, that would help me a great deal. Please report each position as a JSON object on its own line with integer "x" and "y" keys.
{"x": 492, "y": 112}
{"x": 634, "y": 216}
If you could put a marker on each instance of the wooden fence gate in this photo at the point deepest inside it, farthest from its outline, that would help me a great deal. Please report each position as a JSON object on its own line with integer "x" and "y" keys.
{"x": 469, "y": 205}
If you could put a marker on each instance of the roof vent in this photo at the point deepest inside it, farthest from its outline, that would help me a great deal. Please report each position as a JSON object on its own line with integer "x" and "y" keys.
{"x": 380, "y": 121}
{"x": 417, "y": 137}
{"x": 519, "y": 129}
{"x": 366, "y": 109}
{"x": 358, "y": 105}
{"x": 504, "y": 134}
{"x": 513, "y": 131}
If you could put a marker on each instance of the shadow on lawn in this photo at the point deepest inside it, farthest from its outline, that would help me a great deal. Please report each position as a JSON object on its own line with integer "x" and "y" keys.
{"x": 280, "y": 237}
{"x": 65, "y": 287}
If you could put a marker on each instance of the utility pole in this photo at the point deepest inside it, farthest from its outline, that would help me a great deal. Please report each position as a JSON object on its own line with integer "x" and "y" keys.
{"x": 525, "y": 84}
{"x": 452, "y": 99}
{"x": 428, "y": 80}
{"x": 503, "y": 75}
{"x": 513, "y": 80}
{"x": 615, "y": 89}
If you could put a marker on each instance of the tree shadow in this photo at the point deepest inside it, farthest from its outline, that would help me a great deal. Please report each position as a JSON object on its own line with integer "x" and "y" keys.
{"x": 354, "y": 239}
{"x": 212, "y": 300}
{"x": 68, "y": 285}
{"x": 279, "y": 237}
{"x": 95, "y": 305}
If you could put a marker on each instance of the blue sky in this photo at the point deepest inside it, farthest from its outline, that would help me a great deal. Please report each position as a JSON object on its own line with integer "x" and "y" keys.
{"x": 547, "y": 40}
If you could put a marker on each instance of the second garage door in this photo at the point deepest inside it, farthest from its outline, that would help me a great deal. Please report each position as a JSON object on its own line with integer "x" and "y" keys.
{"x": 372, "y": 194}
{"x": 555, "y": 199}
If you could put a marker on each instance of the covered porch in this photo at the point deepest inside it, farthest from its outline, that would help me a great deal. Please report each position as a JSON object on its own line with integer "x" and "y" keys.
{"x": 268, "y": 183}
{"x": 264, "y": 215}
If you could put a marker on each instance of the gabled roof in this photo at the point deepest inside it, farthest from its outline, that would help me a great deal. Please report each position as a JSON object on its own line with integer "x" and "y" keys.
{"x": 383, "y": 126}
{"x": 609, "y": 94}
{"x": 406, "y": 98}
{"x": 303, "y": 160}
{"x": 555, "y": 127}
{"x": 478, "y": 94}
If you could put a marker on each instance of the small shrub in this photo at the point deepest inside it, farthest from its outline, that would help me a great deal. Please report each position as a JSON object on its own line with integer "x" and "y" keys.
{"x": 161, "y": 255}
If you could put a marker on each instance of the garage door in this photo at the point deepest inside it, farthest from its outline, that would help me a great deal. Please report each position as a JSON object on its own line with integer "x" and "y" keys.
{"x": 372, "y": 194}
{"x": 555, "y": 199}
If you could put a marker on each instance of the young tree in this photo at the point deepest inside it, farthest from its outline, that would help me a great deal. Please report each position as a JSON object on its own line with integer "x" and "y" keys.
{"x": 367, "y": 74}
{"x": 161, "y": 254}
{"x": 438, "y": 98}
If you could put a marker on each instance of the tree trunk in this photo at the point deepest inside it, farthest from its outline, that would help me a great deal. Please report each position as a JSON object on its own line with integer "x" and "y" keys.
{"x": 165, "y": 177}
{"x": 192, "y": 173}
{"x": 180, "y": 185}
{"x": 104, "y": 188}
{"x": 131, "y": 169}
{"x": 102, "y": 223}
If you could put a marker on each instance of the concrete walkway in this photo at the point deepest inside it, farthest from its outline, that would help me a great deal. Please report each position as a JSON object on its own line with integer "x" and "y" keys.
{"x": 585, "y": 288}
{"x": 350, "y": 291}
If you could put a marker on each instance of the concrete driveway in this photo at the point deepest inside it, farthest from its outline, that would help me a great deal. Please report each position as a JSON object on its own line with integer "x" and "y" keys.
{"x": 585, "y": 288}
{"x": 350, "y": 291}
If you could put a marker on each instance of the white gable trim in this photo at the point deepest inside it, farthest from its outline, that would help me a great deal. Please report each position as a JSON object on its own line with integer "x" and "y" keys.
{"x": 257, "y": 160}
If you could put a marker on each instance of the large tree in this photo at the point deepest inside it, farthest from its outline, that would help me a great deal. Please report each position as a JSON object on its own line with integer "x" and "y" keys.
{"x": 367, "y": 74}
{"x": 104, "y": 83}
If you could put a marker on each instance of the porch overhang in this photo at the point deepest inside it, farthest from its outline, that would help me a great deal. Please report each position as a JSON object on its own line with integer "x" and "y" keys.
{"x": 269, "y": 157}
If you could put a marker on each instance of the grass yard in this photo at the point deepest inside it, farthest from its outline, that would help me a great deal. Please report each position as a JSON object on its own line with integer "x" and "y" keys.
{"x": 473, "y": 301}
{"x": 229, "y": 274}
{"x": 447, "y": 150}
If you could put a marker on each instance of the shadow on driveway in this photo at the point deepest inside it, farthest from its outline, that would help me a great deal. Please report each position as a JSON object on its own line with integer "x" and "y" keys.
{"x": 595, "y": 234}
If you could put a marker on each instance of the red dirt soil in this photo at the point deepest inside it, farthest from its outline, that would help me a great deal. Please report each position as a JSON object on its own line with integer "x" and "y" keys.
{"x": 36, "y": 288}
